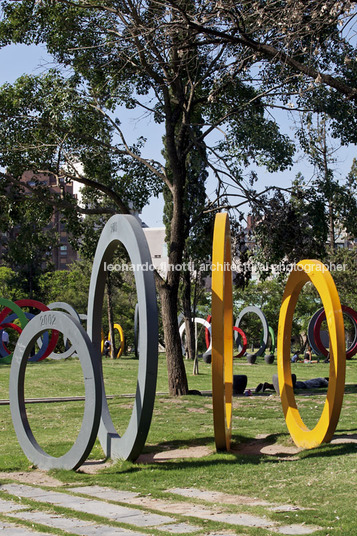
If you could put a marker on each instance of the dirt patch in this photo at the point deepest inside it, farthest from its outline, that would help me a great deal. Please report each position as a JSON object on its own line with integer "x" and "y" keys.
{"x": 339, "y": 440}
{"x": 92, "y": 467}
{"x": 37, "y": 477}
{"x": 126, "y": 406}
{"x": 189, "y": 452}
{"x": 263, "y": 446}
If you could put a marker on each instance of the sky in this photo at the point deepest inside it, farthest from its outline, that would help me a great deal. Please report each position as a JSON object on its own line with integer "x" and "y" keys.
{"x": 16, "y": 60}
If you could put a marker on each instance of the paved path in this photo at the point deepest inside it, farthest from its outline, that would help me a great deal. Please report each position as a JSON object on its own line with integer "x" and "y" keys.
{"x": 112, "y": 512}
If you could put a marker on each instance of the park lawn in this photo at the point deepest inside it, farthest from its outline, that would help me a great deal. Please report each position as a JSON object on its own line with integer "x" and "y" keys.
{"x": 322, "y": 480}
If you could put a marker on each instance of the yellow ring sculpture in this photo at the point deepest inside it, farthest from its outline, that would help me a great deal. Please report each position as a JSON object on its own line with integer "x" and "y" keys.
{"x": 121, "y": 335}
{"x": 317, "y": 273}
{"x": 222, "y": 333}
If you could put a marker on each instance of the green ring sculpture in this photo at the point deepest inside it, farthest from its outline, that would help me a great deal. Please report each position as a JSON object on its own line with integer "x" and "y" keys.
{"x": 126, "y": 230}
{"x": 72, "y": 329}
{"x": 21, "y": 316}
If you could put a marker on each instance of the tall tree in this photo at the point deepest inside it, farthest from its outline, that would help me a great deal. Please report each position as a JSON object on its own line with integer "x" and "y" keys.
{"x": 136, "y": 54}
{"x": 27, "y": 239}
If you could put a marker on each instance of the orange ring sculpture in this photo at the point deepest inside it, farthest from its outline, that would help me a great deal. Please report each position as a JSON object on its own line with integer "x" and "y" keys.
{"x": 317, "y": 273}
{"x": 222, "y": 333}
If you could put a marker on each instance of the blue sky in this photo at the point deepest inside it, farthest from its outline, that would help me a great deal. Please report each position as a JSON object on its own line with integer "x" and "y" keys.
{"x": 21, "y": 59}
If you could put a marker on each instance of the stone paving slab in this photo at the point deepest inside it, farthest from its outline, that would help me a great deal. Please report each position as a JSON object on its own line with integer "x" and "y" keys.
{"x": 10, "y": 506}
{"x": 127, "y": 496}
{"x": 8, "y": 529}
{"x": 180, "y": 528}
{"x": 226, "y": 498}
{"x": 140, "y": 518}
{"x": 75, "y": 526}
{"x": 202, "y": 512}
{"x": 297, "y": 530}
{"x": 114, "y": 512}
{"x": 108, "y": 494}
{"x": 219, "y": 497}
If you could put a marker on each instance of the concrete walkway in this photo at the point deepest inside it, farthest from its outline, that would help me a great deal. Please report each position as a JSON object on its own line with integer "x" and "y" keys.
{"x": 111, "y": 512}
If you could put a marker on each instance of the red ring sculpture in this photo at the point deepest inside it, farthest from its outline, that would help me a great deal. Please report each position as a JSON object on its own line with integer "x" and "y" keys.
{"x": 36, "y": 305}
{"x": 244, "y": 341}
{"x": 317, "y": 334}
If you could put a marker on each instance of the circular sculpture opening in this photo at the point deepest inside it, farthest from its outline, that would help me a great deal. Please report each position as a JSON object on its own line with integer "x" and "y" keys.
{"x": 314, "y": 333}
{"x": 92, "y": 407}
{"x": 264, "y": 341}
{"x": 125, "y": 229}
{"x": 316, "y": 272}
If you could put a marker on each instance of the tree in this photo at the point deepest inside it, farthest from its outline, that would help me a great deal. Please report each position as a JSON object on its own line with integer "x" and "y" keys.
{"x": 308, "y": 221}
{"x": 343, "y": 262}
{"x": 28, "y": 239}
{"x": 7, "y": 287}
{"x": 340, "y": 199}
{"x": 135, "y": 54}
{"x": 295, "y": 36}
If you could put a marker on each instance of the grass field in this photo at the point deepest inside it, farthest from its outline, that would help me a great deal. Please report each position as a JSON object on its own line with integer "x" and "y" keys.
{"x": 323, "y": 480}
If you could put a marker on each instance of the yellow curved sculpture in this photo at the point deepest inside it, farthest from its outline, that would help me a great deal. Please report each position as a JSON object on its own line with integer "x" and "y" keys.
{"x": 317, "y": 273}
{"x": 102, "y": 342}
{"x": 222, "y": 333}
{"x": 121, "y": 335}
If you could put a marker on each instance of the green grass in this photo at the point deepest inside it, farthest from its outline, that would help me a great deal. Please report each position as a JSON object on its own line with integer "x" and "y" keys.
{"x": 322, "y": 480}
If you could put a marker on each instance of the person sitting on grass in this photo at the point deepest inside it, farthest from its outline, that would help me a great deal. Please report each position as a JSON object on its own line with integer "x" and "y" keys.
{"x": 308, "y": 355}
{"x": 296, "y": 357}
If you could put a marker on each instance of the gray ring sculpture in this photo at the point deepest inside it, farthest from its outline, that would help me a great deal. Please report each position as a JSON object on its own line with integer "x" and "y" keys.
{"x": 126, "y": 230}
{"x": 136, "y": 330}
{"x": 261, "y": 315}
{"x": 310, "y": 332}
{"x": 93, "y": 391}
{"x": 63, "y": 306}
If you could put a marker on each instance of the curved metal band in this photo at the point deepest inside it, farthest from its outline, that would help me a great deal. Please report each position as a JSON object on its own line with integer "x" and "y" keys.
{"x": 136, "y": 330}
{"x": 124, "y": 229}
{"x": 63, "y": 306}
{"x": 261, "y": 315}
{"x": 222, "y": 333}
{"x": 54, "y": 335}
{"x": 244, "y": 341}
{"x": 43, "y": 344}
{"x": 11, "y": 306}
{"x": 310, "y": 332}
{"x": 352, "y": 315}
{"x": 208, "y": 333}
{"x": 121, "y": 335}
{"x": 272, "y": 339}
{"x": 200, "y": 321}
{"x": 316, "y": 272}
{"x": 90, "y": 368}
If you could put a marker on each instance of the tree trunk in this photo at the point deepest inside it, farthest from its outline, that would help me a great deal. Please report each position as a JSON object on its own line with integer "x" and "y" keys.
{"x": 110, "y": 316}
{"x": 331, "y": 226}
{"x": 175, "y": 364}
